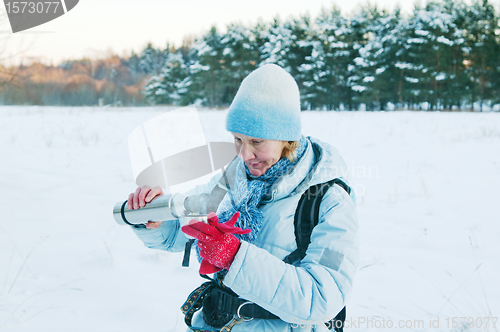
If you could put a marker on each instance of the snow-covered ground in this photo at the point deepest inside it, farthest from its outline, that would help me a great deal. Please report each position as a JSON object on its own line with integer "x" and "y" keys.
{"x": 428, "y": 192}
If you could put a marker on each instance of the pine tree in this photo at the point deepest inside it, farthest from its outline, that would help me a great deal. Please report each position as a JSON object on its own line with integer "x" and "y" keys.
{"x": 433, "y": 42}
{"x": 277, "y": 44}
{"x": 446, "y": 54}
{"x": 240, "y": 56}
{"x": 153, "y": 60}
{"x": 364, "y": 67}
{"x": 172, "y": 85}
{"x": 382, "y": 79}
{"x": 483, "y": 63}
{"x": 299, "y": 57}
{"x": 207, "y": 70}
{"x": 132, "y": 64}
{"x": 335, "y": 50}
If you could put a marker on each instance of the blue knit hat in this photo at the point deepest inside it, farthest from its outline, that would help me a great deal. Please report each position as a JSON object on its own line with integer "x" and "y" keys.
{"x": 267, "y": 106}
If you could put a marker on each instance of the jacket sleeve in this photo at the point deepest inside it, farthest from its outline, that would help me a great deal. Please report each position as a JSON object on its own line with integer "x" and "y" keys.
{"x": 168, "y": 236}
{"x": 319, "y": 286}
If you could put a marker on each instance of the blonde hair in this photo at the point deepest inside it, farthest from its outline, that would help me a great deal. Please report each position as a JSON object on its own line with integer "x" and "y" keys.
{"x": 290, "y": 150}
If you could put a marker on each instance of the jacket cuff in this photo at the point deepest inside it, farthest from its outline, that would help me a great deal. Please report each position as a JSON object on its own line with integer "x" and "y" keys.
{"x": 235, "y": 267}
{"x": 166, "y": 237}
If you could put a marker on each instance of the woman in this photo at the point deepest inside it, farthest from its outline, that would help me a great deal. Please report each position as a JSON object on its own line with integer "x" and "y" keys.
{"x": 262, "y": 187}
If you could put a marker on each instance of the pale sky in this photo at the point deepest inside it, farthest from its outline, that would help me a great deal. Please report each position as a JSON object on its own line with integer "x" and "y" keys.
{"x": 95, "y": 27}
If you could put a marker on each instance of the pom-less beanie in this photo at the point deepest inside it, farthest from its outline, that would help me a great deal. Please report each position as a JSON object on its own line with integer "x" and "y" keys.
{"x": 267, "y": 106}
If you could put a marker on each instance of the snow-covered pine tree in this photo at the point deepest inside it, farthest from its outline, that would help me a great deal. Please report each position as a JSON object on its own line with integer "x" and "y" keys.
{"x": 432, "y": 66}
{"x": 483, "y": 61}
{"x": 172, "y": 85}
{"x": 289, "y": 45}
{"x": 456, "y": 88}
{"x": 277, "y": 42}
{"x": 207, "y": 70}
{"x": 153, "y": 60}
{"x": 382, "y": 80}
{"x": 240, "y": 57}
{"x": 299, "y": 58}
{"x": 337, "y": 45}
{"x": 132, "y": 63}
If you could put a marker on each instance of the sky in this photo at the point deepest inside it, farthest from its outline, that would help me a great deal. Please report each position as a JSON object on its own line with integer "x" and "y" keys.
{"x": 97, "y": 28}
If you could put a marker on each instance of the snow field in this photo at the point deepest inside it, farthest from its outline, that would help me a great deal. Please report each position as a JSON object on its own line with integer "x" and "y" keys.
{"x": 427, "y": 206}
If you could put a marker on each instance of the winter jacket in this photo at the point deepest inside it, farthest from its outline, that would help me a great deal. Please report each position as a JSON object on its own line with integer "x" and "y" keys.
{"x": 309, "y": 294}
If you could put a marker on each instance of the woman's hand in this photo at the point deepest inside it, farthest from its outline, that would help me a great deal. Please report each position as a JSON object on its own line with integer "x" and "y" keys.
{"x": 141, "y": 197}
{"x": 216, "y": 240}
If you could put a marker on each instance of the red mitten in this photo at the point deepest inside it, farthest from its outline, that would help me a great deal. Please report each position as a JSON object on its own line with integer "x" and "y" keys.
{"x": 216, "y": 240}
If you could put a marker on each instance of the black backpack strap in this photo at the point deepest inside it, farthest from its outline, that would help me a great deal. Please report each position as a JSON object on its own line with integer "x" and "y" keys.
{"x": 306, "y": 218}
{"x": 337, "y": 324}
{"x": 194, "y": 303}
{"x": 228, "y": 302}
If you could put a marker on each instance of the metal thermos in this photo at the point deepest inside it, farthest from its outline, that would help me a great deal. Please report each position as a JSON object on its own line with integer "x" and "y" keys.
{"x": 161, "y": 208}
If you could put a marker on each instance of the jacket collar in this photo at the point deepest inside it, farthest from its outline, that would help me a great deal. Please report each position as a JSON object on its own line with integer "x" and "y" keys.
{"x": 321, "y": 162}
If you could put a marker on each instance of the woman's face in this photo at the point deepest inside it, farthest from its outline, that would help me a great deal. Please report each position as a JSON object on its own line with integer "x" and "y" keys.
{"x": 259, "y": 154}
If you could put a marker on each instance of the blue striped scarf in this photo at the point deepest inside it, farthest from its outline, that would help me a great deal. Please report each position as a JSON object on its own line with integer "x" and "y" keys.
{"x": 249, "y": 190}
